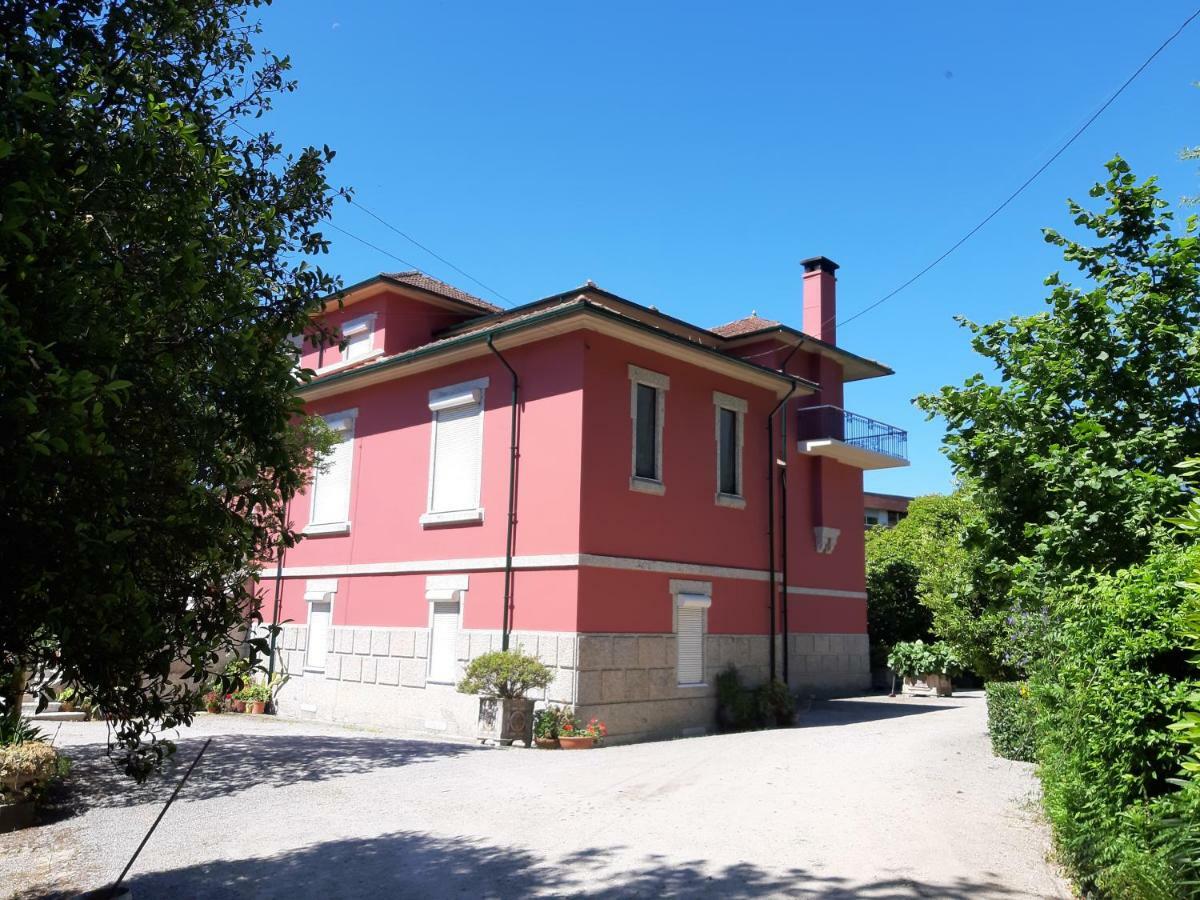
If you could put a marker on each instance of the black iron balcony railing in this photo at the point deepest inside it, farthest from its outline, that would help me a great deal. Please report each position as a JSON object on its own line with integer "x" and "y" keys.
{"x": 816, "y": 422}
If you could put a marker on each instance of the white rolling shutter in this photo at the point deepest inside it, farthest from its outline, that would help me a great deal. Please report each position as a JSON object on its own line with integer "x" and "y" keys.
{"x": 443, "y": 641}
{"x": 358, "y": 345}
{"x": 318, "y": 633}
{"x": 689, "y": 639}
{"x": 457, "y": 456}
{"x": 331, "y": 489}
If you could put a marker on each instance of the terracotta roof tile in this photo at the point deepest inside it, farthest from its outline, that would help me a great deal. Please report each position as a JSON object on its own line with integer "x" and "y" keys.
{"x": 743, "y": 326}
{"x": 421, "y": 280}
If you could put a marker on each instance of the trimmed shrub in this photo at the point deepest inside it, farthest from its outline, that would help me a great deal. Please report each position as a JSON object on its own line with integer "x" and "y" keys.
{"x": 26, "y": 769}
{"x": 1116, "y": 677}
{"x": 1011, "y": 720}
{"x": 508, "y": 674}
{"x": 742, "y": 709}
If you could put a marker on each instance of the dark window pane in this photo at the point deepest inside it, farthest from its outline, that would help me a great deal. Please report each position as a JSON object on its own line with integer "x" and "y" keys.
{"x": 646, "y": 428}
{"x": 728, "y": 476}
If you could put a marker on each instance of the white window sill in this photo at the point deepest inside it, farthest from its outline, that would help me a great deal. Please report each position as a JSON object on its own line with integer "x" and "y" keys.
{"x": 733, "y": 501}
{"x": 347, "y": 363}
{"x": 328, "y": 528}
{"x": 647, "y": 485}
{"x": 456, "y": 517}
{"x": 693, "y": 684}
{"x": 309, "y": 670}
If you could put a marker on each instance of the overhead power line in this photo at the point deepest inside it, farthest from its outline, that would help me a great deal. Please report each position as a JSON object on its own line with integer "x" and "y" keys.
{"x": 402, "y": 234}
{"x": 1028, "y": 181}
{"x": 435, "y": 255}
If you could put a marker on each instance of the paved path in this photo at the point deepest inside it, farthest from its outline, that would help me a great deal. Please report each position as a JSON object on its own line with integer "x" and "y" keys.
{"x": 870, "y": 798}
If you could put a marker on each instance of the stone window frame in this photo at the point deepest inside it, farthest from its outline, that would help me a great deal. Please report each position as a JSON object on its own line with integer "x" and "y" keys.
{"x": 692, "y": 589}
{"x": 738, "y": 406}
{"x": 444, "y": 589}
{"x": 661, "y": 384}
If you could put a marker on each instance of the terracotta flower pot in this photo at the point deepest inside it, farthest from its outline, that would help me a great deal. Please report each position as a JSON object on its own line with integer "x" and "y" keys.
{"x": 546, "y": 743}
{"x": 576, "y": 743}
{"x": 213, "y": 708}
{"x": 239, "y": 706}
{"x": 256, "y": 707}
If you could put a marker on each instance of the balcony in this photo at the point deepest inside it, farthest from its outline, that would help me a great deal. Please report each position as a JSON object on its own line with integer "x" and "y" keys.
{"x": 850, "y": 438}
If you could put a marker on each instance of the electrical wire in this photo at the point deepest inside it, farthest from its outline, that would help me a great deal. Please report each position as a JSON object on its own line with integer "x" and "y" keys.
{"x": 1028, "y": 181}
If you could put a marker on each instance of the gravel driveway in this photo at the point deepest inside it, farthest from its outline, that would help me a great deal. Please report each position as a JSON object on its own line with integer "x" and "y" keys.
{"x": 870, "y": 798}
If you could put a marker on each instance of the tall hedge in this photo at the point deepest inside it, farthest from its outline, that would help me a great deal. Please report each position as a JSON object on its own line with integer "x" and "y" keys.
{"x": 1114, "y": 680}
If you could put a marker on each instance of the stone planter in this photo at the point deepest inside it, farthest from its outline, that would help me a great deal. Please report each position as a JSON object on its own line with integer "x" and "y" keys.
{"x": 504, "y": 720}
{"x": 928, "y": 685}
{"x": 576, "y": 743}
{"x": 16, "y": 815}
{"x": 546, "y": 743}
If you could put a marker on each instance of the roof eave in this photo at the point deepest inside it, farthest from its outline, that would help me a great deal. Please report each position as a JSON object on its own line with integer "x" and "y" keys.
{"x": 876, "y": 369}
{"x": 583, "y": 307}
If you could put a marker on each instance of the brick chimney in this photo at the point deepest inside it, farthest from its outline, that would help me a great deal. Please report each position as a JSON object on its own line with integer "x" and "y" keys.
{"x": 820, "y": 298}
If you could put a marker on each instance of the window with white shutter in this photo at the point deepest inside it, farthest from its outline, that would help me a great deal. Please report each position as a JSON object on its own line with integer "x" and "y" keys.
{"x": 359, "y": 335}
{"x": 443, "y": 640}
{"x": 330, "y": 511}
{"x": 456, "y": 454}
{"x": 690, "y": 612}
{"x": 319, "y": 597}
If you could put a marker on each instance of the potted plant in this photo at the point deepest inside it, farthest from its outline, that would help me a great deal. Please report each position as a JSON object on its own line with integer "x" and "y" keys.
{"x": 546, "y": 724}
{"x": 27, "y": 766}
{"x": 573, "y": 736}
{"x": 501, "y": 679}
{"x": 255, "y": 695}
{"x": 235, "y": 703}
{"x": 212, "y": 702}
{"x": 925, "y": 668}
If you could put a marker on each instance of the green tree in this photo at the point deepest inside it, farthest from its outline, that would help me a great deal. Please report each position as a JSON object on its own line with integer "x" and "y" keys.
{"x": 153, "y": 267}
{"x": 1069, "y": 452}
{"x": 924, "y": 578}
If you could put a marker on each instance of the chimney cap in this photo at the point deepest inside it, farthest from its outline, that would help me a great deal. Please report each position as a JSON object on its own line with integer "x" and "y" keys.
{"x": 819, "y": 264}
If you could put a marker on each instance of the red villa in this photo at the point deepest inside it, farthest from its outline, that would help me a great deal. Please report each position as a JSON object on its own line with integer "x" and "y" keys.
{"x": 637, "y": 500}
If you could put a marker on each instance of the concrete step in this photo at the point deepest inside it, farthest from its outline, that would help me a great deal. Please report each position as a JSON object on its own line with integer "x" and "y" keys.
{"x": 58, "y": 717}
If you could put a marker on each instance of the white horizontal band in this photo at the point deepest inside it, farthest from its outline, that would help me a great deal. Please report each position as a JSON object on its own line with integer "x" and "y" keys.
{"x": 554, "y": 561}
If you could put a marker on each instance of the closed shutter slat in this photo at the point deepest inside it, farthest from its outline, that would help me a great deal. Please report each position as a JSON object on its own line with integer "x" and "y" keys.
{"x": 318, "y": 634}
{"x": 456, "y": 459}
{"x": 331, "y": 501}
{"x": 690, "y": 641}
{"x": 443, "y": 643}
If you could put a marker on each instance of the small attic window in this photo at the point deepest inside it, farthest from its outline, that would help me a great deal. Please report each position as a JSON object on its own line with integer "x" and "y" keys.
{"x": 360, "y": 336}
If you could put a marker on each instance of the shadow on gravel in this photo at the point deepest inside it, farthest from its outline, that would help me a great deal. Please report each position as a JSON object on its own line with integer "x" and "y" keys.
{"x": 410, "y": 864}
{"x": 234, "y": 763}
{"x": 849, "y": 712}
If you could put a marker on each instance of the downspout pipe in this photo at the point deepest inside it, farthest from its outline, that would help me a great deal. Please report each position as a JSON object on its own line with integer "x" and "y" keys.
{"x": 275, "y": 609}
{"x": 512, "y": 496}
{"x": 771, "y": 463}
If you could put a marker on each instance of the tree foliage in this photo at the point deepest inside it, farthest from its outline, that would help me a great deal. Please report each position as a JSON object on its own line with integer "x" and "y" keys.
{"x": 153, "y": 266}
{"x": 1070, "y": 451}
{"x": 925, "y": 578}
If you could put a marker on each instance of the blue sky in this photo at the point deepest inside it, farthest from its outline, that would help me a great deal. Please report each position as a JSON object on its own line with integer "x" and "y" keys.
{"x": 688, "y": 155}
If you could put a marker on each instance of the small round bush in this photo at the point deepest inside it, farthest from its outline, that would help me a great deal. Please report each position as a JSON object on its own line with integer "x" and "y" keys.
{"x": 26, "y": 768}
{"x": 507, "y": 674}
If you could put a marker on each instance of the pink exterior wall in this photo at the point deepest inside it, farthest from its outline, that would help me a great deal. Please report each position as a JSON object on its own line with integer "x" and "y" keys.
{"x": 684, "y": 524}
{"x": 390, "y": 480}
{"x": 401, "y": 323}
{"x": 574, "y": 497}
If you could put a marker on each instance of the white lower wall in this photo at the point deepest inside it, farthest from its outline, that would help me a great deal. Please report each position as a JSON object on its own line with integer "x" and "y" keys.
{"x": 378, "y": 677}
